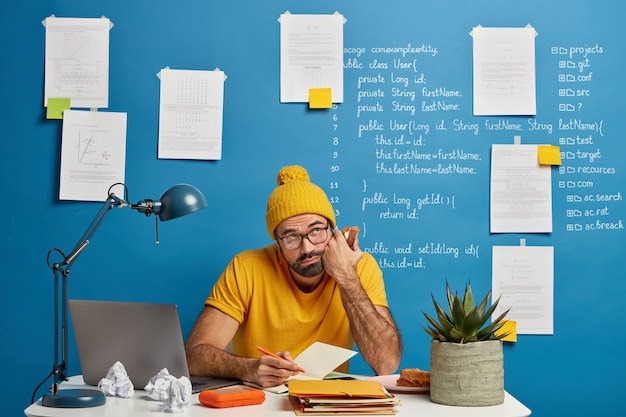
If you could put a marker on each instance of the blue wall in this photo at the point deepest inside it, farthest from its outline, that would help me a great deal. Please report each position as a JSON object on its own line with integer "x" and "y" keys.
{"x": 575, "y": 372}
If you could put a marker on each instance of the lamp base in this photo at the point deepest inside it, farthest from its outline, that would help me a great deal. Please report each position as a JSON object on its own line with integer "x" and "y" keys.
{"x": 74, "y": 398}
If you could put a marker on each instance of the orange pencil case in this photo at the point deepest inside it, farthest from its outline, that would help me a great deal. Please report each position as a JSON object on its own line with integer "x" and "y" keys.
{"x": 231, "y": 397}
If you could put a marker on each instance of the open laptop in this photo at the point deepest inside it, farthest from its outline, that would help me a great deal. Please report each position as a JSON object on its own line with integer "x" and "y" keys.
{"x": 144, "y": 337}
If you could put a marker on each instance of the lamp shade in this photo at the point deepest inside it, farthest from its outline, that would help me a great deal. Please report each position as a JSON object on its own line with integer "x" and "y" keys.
{"x": 179, "y": 200}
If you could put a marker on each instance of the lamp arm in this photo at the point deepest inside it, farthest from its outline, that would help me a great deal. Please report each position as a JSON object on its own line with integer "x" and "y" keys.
{"x": 111, "y": 202}
{"x": 62, "y": 270}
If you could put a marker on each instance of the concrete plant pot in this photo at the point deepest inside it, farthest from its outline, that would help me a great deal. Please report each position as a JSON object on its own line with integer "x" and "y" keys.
{"x": 467, "y": 374}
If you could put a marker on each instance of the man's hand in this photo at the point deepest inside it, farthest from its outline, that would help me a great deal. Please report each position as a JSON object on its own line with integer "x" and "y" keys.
{"x": 340, "y": 259}
{"x": 272, "y": 371}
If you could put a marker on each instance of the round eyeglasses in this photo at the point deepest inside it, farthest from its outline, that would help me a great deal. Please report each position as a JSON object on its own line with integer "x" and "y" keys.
{"x": 315, "y": 236}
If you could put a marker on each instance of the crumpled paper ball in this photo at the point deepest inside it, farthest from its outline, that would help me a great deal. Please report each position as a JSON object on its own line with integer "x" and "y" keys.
{"x": 179, "y": 395}
{"x": 117, "y": 383}
{"x": 158, "y": 386}
{"x": 174, "y": 393}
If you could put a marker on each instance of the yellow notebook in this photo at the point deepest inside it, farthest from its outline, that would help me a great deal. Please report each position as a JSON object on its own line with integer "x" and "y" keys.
{"x": 337, "y": 388}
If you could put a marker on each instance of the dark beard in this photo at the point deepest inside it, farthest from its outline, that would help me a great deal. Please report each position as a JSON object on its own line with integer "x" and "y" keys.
{"x": 308, "y": 271}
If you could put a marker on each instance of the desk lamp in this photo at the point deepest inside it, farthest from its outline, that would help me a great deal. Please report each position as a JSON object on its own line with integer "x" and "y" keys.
{"x": 178, "y": 200}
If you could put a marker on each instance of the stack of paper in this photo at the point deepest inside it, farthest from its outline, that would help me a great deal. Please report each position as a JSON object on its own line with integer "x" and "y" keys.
{"x": 321, "y": 397}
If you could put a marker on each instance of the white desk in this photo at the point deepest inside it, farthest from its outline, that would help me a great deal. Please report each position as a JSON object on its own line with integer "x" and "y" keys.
{"x": 274, "y": 406}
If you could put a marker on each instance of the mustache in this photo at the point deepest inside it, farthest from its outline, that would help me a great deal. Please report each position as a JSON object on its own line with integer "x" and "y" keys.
{"x": 309, "y": 255}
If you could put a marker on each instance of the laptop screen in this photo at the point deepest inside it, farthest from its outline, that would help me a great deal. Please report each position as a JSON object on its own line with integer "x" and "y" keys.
{"x": 144, "y": 337}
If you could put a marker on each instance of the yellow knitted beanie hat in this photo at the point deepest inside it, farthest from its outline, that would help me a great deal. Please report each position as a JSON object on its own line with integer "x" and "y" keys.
{"x": 296, "y": 194}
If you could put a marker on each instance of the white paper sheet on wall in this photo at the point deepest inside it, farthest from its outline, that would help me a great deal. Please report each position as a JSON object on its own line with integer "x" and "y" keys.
{"x": 521, "y": 190}
{"x": 93, "y": 154}
{"x": 311, "y": 56}
{"x": 191, "y": 114}
{"x": 77, "y": 61}
{"x": 523, "y": 279}
{"x": 504, "y": 71}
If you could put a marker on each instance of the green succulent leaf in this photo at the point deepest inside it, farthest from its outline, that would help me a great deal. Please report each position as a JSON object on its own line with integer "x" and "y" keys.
{"x": 468, "y": 299}
{"x": 436, "y": 326}
{"x": 458, "y": 312}
{"x": 501, "y": 317}
{"x": 488, "y": 332}
{"x": 455, "y": 336}
{"x": 464, "y": 322}
{"x": 471, "y": 324}
{"x": 484, "y": 303}
{"x": 431, "y": 332}
{"x": 449, "y": 295}
{"x": 443, "y": 317}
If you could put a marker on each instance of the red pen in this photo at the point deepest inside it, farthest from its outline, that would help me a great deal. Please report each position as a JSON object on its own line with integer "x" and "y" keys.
{"x": 272, "y": 354}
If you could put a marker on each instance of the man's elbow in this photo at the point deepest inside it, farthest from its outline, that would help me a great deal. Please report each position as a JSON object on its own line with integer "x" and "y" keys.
{"x": 192, "y": 360}
{"x": 389, "y": 361}
{"x": 388, "y": 365}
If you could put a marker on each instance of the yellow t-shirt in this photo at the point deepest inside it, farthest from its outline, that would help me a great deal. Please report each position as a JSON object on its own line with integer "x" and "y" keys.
{"x": 256, "y": 289}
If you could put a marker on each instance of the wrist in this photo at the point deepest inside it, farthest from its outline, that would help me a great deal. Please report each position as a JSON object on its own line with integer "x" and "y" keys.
{"x": 250, "y": 370}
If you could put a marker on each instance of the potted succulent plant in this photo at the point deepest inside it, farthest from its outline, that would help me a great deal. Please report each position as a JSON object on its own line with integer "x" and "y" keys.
{"x": 466, "y": 356}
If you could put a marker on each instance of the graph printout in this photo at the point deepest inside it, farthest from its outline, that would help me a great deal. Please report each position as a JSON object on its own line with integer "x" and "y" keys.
{"x": 190, "y": 114}
{"x": 77, "y": 61}
{"x": 93, "y": 154}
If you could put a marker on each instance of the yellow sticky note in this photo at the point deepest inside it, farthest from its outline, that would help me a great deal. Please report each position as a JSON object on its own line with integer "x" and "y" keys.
{"x": 549, "y": 155}
{"x": 320, "y": 98}
{"x": 56, "y": 107}
{"x": 510, "y": 327}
